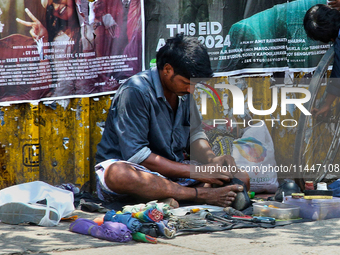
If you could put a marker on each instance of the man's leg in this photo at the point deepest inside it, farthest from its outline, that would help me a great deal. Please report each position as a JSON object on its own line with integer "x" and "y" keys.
{"x": 123, "y": 178}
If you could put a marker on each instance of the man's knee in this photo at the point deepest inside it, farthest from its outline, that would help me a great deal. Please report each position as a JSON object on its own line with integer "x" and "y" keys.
{"x": 117, "y": 174}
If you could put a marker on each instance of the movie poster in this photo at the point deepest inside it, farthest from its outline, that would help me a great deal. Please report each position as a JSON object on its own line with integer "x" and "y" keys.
{"x": 242, "y": 36}
{"x": 52, "y": 49}
{"x": 272, "y": 40}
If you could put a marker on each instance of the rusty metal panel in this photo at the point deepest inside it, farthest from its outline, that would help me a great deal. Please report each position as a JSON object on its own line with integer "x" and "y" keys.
{"x": 20, "y": 150}
{"x": 82, "y": 140}
{"x": 99, "y": 107}
{"x": 64, "y": 139}
{"x": 54, "y": 142}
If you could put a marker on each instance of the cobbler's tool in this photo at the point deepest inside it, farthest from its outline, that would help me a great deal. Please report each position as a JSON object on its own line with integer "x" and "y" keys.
{"x": 207, "y": 215}
{"x": 254, "y": 219}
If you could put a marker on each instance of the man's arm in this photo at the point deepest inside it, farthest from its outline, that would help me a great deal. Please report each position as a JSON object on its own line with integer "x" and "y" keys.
{"x": 166, "y": 167}
{"x": 201, "y": 151}
{"x": 325, "y": 108}
{"x": 172, "y": 169}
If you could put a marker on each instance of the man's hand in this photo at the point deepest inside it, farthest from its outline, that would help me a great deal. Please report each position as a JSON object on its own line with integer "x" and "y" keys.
{"x": 334, "y": 4}
{"x": 322, "y": 112}
{"x": 218, "y": 178}
{"x": 233, "y": 172}
{"x": 203, "y": 153}
{"x": 224, "y": 160}
{"x": 325, "y": 108}
{"x": 221, "y": 170}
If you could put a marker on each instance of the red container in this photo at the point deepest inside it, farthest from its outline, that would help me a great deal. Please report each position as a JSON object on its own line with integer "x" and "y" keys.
{"x": 309, "y": 185}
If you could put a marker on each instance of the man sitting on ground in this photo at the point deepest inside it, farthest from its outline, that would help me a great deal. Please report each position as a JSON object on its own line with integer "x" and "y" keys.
{"x": 152, "y": 120}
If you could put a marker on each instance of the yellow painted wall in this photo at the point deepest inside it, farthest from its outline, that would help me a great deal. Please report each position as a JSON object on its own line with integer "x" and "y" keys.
{"x": 55, "y": 143}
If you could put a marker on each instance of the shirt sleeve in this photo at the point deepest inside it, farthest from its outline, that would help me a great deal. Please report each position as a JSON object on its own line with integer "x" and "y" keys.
{"x": 132, "y": 124}
{"x": 196, "y": 131}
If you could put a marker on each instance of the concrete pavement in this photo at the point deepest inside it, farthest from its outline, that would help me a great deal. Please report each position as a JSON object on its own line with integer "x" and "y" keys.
{"x": 319, "y": 237}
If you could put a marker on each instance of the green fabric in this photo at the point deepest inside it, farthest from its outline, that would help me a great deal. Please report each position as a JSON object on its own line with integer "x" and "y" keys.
{"x": 140, "y": 237}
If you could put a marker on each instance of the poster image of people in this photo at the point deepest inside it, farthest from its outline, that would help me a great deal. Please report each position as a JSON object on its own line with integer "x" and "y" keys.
{"x": 272, "y": 40}
{"x": 67, "y": 48}
{"x": 242, "y": 36}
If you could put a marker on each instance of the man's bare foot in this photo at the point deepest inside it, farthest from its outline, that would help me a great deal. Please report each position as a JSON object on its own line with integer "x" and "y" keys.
{"x": 170, "y": 201}
{"x": 223, "y": 196}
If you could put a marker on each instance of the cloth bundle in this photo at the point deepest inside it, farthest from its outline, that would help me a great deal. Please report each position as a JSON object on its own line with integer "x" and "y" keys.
{"x": 123, "y": 227}
{"x": 131, "y": 223}
{"x": 162, "y": 207}
{"x": 149, "y": 215}
{"x": 138, "y": 222}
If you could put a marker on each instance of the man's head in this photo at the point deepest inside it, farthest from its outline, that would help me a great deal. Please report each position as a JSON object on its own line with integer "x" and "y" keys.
{"x": 187, "y": 56}
{"x": 322, "y": 23}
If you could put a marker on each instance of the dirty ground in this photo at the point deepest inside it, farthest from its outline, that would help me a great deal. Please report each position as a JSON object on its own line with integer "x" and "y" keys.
{"x": 318, "y": 237}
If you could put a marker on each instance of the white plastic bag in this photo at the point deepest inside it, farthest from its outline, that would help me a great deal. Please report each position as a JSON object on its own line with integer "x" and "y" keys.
{"x": 254, "y": 153}
{"x": 32, "y": 192}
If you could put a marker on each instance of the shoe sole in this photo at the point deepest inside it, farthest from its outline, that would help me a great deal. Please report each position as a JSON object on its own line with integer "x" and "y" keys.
{"x": 16, "y": 213}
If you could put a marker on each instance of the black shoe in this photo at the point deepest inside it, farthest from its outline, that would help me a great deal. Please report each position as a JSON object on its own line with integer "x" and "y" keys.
{"x": 288, "y": 187}
{"x": 242, "y": 200}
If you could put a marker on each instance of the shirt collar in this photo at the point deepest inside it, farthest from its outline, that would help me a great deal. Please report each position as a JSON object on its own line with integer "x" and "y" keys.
{"x": 158, "y": 85}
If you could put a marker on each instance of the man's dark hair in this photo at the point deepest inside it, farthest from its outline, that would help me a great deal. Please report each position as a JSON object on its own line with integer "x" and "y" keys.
{"x": 188, "y": 57}
{"x": 322, "y": 23}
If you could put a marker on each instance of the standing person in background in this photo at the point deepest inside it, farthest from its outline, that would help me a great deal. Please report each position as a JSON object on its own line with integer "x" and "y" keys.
{"x": 322, "y": 23}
